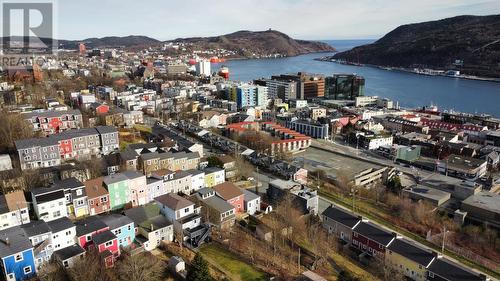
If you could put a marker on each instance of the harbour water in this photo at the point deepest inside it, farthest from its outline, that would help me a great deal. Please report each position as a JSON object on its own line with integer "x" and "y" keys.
{"x": 410, "y": 90}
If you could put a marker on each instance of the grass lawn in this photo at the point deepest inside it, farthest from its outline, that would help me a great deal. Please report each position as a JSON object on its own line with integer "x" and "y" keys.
{"x": 230, "y": 265}
{"x": 143, "y": 128}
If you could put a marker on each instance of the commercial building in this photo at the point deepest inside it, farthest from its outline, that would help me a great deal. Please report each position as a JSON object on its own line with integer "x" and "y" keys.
{"x": 308, "y": 86}
{"x": 279, "y": 88}
{"x": 430, "y": 195}
{"x": 203, "y": 68}
{"x": 344, "y": 87}
{"x": 483, "y": 207}
{"x": 462, "y": 167}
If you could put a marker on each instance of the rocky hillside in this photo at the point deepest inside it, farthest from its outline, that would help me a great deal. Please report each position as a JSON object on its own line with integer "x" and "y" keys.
{"x": 475, "y": 40}
{"x": 259, "y": 43}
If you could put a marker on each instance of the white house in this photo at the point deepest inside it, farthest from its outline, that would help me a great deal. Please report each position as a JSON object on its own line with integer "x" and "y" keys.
{"x": 13, "y": 210}
{"x": 179, "y": 210}
{"x": 252, "y": 202}
{"x": 63, "y": 233}
{"x": 49, "y": 203}
{"x": 197, "y": 179}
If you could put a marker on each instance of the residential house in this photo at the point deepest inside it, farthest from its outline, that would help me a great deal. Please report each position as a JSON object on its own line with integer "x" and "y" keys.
{"x": 304, "y": 198}
{"x": 68, "y": 256}
{"x": 339, "y": 222}
{"x": 214, "y": 176}
{"x": 229, "y": 166}
{"x": 5, "y": 162}
{"x": 166, "y": 185}
{"x": 63, "y": 232}
{"x": 49, "y": 203}
{"x": 442, "y": 269}
{"x": 252, "y": 202}
{"x": 13, "y": 210}
{"x": 371, "y": 239}
{"x": 16, "y": 253}
{"x": 151, "y": 227}
{"x": 108, "y": 136}
{"x": 53, "y": 122}
{"x": 138, "y": 193}
{"x": 409, "y": 259}
{"x": 119, "y": 193}
{"x": 76, "y": 197}
{"x": 215, "y": 209}
{"x": 197, "y": 179}
{"x": 181, "y": 212}
{"x": 86, "y": 229}
{"x": 97, "y": 196}
{"x": 174, "y": 161}
{"x": 122, "y": 227}
{"x": 107, "y": 245}
{"x": 182, "y": 182}
{"x": 231, "y": 194}
{"x": 40, "y": 236}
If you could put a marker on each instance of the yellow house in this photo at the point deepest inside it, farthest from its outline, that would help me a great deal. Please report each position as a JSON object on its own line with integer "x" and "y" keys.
{"x": 214, "y": 176}
{"x": 409, "y": 259}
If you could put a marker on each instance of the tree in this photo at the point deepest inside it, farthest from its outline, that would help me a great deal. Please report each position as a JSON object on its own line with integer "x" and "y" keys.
{"x": 347, "y": 276}
{"x": 394, "y": 185}
{"x": 198, "y": 270}
{"x": 89, "y": 268}
{"x": 140, "y": 267}
{"x": 214, "y": 161}
{"x": 13, "y": 128}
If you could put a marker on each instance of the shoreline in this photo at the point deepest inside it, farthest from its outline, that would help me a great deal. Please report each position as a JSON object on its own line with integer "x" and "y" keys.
{"x": 430, "y": 72}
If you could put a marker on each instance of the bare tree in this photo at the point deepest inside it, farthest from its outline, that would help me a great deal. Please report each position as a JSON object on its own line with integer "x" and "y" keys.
{"x": 139, "y": 267}
{"x": 13, "y": 128}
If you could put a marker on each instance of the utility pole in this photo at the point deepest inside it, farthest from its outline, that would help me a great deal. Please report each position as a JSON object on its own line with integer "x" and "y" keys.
{"x": 298, "y": 261}
{"x": 257, "y": 182}
{"x": 444, "y": 239}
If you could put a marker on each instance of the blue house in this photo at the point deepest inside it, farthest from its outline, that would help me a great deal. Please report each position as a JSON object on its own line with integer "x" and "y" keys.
{"x": 122, "y": 227}
{"x": 16, "y": 252}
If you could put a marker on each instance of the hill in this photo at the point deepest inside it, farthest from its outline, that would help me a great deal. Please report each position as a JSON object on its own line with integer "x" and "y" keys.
{"x": 257, "y": 43}
{"x": 475, "y": 40}
{"x": 110, "y": 41}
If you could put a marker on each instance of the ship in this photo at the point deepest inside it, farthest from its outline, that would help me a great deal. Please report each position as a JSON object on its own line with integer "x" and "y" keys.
{"x": 216, "y": 60}
{"x": 224, "y": 72}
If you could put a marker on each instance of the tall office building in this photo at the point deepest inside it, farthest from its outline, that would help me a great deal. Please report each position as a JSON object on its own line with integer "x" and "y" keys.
{"x": 308, "y": 86}
{"x": 249, "y": 95}
{"x": 344, "y": 87}
{"x": 282, "y": 89}
{"x": 203, "y": 68}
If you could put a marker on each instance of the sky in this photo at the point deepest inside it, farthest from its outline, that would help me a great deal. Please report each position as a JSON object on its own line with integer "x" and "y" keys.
{"x": 301, "y": 19}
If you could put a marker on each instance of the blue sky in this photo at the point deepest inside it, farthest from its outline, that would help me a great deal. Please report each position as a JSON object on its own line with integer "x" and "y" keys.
{"x": 304, "y": 19}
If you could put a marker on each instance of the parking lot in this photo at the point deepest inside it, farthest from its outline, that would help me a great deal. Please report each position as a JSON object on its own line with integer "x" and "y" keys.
{"x": 314, "y": 159}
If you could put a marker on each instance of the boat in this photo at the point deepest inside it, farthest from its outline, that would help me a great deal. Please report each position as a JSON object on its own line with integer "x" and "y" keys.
{"x": 224, "y": 72}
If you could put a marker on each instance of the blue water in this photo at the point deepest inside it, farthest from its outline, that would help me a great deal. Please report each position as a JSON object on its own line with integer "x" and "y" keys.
{"x": 411, "y": 90}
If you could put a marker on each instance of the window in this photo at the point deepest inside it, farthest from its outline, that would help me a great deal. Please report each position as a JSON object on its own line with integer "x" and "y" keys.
{"x": 18, "y": 257}
{"x": 27, "y": 270}
{"x": 10, "y": 276}
{"x": 108, "y": 244}
{"x": 431, "y": 275}
{"x": 79, "y": 192}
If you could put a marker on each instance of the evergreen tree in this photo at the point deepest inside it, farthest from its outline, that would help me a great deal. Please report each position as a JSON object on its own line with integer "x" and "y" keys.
{"x": 198, "y": 271}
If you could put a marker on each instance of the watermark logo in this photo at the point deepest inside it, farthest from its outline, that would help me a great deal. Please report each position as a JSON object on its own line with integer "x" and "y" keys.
{"x": 27, "y": 36}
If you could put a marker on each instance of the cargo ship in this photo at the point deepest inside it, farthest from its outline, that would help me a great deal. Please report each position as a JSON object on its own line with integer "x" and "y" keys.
{"x": 224, "y": 72}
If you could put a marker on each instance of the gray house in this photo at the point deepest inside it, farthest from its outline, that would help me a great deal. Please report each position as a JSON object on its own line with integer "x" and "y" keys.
{"x": 339, "y": 222}
{"x": 108, "y": 138}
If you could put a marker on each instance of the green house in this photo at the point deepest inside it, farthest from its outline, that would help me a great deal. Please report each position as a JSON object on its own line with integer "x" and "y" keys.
{"x": 117, "y": 186}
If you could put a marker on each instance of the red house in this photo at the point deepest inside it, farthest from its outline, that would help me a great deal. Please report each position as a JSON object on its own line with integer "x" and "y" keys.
{"x": 371, "y": 239}
{"x": 97, "y": 196}
{"x": 66, "y": 148}
{"x": 99, "y": 108}
{"x": 86, "y": 229}
{"x": 107, "y": 245}
{"x": 232, "y": 194}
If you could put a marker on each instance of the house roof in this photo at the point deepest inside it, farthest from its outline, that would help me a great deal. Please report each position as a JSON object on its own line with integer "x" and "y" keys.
{"x": 142, "y": 213}
{"x": 69, "y": 252}
{"x": 249, "y": 195}
{"x": 69, "y": 183}
{"x": 346, "y": 218}
{"x": 227, "y": 190}
{"x": 115, "y": 221}
{"x": 210, "y": 170}
{"x": 374, "y": 233}
{"x": 103, "y": 237}
{"x": 174, "y": 201}
{"x": 412, "y": 252}
{"x": 35, "y": 228}
{"x": 94, "y": 188}
{"x": 112, "y": 179}
{"x": 15, "y": 200}
{"x": 89, "y": 225}
{"x": 13, "y": 240}
{"x": 451, "y": 271}
{"x": 132, "y": 174}
{"x": 44, "y": 195}
{"x": 218, "y": 204}
{"x": 106, "y": 129}
{"x": 60, "y": 224}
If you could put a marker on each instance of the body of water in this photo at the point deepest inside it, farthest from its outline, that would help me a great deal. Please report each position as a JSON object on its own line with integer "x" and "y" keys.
{"x": 410, "y": 90}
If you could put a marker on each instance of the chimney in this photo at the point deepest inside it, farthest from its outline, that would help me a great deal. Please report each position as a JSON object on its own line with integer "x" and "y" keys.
{"x": 152, "y": 227}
